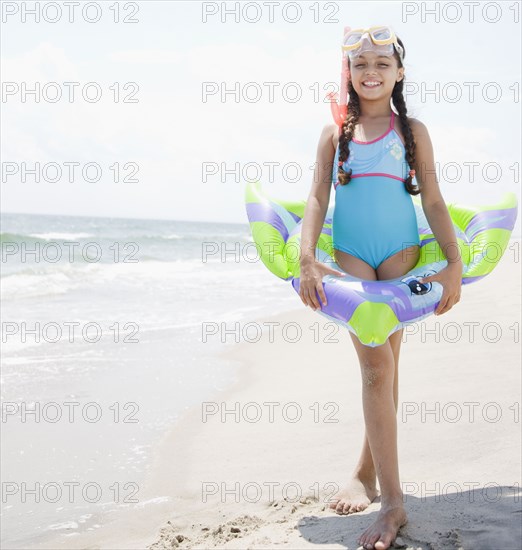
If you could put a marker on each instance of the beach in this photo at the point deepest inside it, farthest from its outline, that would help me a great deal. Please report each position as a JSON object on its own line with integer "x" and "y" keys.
{"x": 162, "y": 386}
{"x": 267, "y": 423}
{"x": 250, "y": 479}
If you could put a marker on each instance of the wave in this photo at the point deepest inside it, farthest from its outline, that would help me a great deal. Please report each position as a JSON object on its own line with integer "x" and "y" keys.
{"x": 16, "y": 237}
{"x": 71, "y": 236}
{"x": 7, "y": 237}
{"x": 191, "y": 274}
{"x": 192, "y": 237}
{"x": 61, "y": 236}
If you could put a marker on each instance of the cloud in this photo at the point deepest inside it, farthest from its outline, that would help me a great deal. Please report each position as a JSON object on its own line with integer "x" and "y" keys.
{"x": 157, "y": 56}
{"x": 45, "y": 62}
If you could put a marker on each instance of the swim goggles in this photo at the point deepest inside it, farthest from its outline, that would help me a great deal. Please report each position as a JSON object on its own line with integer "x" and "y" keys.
{"x": 380, "y": 39}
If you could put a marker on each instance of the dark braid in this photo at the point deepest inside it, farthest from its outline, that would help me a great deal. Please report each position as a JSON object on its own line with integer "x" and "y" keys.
{"x": 352, "y": 117}
{"x": 347, "y": 133}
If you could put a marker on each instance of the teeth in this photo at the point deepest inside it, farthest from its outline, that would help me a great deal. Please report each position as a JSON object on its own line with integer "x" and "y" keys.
{"x": 371, "y": 84}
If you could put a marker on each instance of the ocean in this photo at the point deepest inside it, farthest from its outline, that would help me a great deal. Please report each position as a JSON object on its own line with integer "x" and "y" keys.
{"x": 110, "y": 331}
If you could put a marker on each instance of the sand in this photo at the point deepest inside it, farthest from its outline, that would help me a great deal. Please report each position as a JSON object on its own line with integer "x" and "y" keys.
{"x": 460, "y": 468}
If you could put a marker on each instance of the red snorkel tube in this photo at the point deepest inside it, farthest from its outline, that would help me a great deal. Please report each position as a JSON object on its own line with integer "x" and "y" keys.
{"x": 340, "y": 108}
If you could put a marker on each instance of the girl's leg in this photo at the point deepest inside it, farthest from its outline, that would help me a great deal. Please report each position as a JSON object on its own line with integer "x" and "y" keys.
{"x": 361, "y": 489}
{"x": 380, "y": 390}
{"x": 378, "y": 374}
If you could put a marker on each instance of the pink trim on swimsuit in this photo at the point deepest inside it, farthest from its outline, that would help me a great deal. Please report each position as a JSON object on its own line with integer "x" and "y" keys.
{"x": 378, "y": 174}
{"x": 336, "y": 184}
{"x": 384, "y": 135}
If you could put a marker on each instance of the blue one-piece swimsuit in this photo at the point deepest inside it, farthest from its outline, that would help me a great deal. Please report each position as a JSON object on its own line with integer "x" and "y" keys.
{"x": 374, "y": 216}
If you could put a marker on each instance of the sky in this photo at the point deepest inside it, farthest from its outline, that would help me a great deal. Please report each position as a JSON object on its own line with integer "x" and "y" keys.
{"x": 198, "y": 97}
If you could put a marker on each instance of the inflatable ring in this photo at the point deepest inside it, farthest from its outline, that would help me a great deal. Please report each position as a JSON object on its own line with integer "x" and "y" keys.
{"x": 372, "y": 310}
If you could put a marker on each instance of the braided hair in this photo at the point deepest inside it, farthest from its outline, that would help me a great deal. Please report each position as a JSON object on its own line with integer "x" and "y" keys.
{"x": 352, "y": 117}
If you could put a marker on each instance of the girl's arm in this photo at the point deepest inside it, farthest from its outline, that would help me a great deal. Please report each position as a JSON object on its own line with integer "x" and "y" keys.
{"x": 310, "y": 286}
{"x": 319, "y": 197}
{"x": 438, "y": 217}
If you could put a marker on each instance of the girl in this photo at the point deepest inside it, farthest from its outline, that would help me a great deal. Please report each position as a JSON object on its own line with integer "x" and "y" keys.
{"x": 375, "y": 237}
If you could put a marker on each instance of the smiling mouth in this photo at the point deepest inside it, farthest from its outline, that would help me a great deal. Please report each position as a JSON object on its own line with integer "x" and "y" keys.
{"x": 372, "y": 84}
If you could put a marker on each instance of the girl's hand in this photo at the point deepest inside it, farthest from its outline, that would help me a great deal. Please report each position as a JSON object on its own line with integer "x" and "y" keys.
{"x": 312, "y": 273}
{"x": 451, "y": 280}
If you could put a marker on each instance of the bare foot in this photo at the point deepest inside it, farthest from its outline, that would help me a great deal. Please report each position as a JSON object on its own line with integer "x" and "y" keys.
{"x": 355, "y": 497}
{"x": 384, "y": 529}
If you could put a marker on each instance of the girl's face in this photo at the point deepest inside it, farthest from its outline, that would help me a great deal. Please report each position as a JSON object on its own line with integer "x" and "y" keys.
{"x": 374, "y": 76}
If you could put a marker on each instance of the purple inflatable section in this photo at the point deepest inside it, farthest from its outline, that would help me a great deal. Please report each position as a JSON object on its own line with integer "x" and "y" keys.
{"x": 346, "y": 296}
